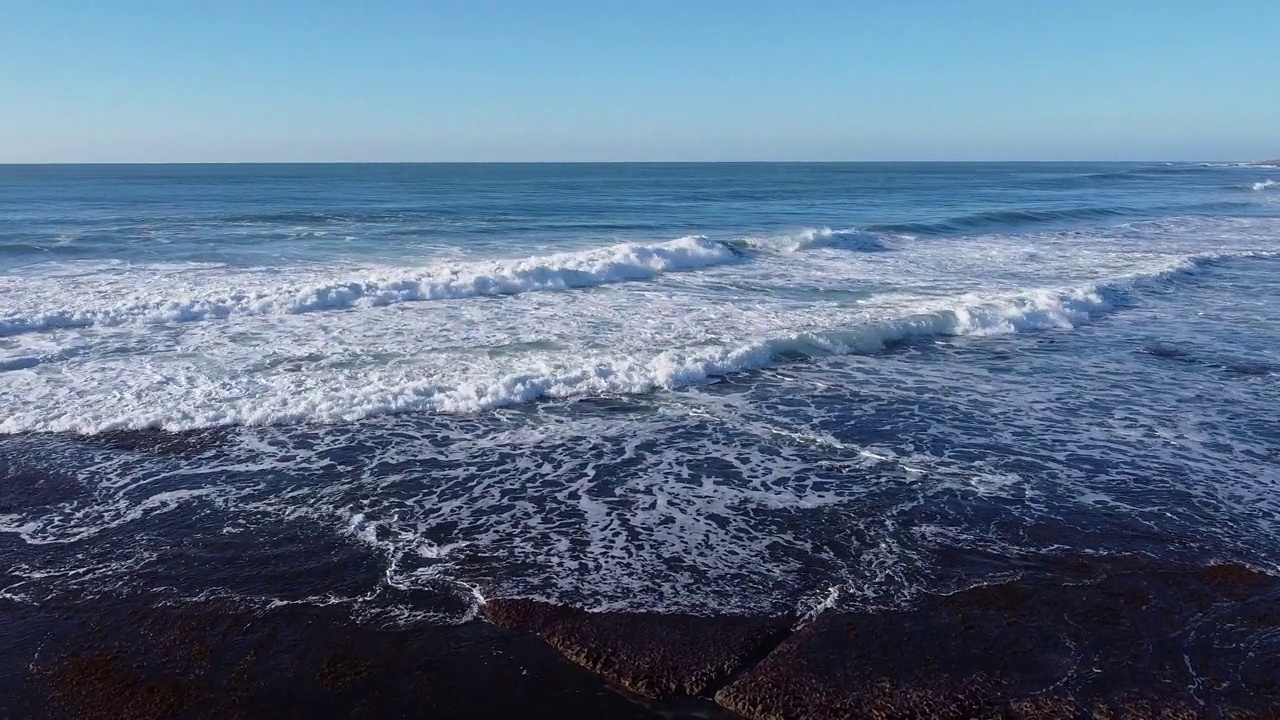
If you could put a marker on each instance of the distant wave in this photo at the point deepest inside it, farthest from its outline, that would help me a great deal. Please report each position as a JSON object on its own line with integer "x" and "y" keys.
{"x": 1265, "y": 185}
{"x": 1113, "y": 175}
{"x": 21, "y": 248}
{"x": 809, "y": 238}
{"x": 560, "y": 271}
{"x": 999, "y": 220}
{"x": 312, "y": 217}
{"x": 1107, "y": 176}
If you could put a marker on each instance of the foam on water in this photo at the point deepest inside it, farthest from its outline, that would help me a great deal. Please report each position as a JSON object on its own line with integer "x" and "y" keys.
{"x": 809, "y": 238}
{"x": 841, "y": 484}
{"x": 159, "y": 302}
{"x": 468, "y": 355}
{"x": 764, "y": 419}
{"x": 1265, "y": 184}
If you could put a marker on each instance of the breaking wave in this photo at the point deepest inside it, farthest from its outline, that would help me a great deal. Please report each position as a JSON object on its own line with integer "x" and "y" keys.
{"x": 587, "y": 268}
{"x": 1033, "y": 311}
{"x": 625, "y": 262}
{"x": 1022, "y": 312}
{"x": 810, "y": 238}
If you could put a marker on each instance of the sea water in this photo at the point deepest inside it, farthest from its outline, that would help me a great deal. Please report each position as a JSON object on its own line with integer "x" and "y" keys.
{"x": 700, "y": 388}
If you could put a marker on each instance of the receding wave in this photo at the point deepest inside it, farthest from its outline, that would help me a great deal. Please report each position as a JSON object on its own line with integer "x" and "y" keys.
{"x": 561, "y": 271}
{"x": 1001, "y": 220}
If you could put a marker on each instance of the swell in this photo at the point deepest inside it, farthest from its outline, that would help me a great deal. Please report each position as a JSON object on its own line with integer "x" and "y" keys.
{"x": 1129, "y": 174}
{"x": 588, "y": 268}
{"x": 1002, "y": 220}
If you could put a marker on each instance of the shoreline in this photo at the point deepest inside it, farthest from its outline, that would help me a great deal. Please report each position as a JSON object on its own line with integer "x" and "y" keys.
{"x": 1112, "y": 640}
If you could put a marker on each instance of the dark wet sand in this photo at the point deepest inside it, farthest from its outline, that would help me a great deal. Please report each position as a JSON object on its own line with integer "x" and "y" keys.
{"x": 1127, "y": 641}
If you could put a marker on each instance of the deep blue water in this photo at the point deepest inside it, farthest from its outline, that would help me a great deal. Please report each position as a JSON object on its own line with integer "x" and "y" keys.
{"x": 681, "y": 387}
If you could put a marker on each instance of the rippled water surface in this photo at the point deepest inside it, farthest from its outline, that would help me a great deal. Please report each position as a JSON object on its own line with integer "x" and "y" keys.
{"x": 759, "y": 388}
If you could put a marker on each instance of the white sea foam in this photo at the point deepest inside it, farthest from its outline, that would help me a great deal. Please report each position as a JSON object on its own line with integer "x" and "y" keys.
{"x": 387, "y": 286}
{"x": 748, "y": 496}
{"x": 809, "y": 238}
{"x": 756, "y": 305}
{"x": 1265, "y": 184}
{"x": 151, "y": 399}
{"x": 116, "y": 294}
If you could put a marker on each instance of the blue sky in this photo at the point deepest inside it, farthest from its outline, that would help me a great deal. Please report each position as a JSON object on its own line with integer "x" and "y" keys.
{"x": 227, "y": 80}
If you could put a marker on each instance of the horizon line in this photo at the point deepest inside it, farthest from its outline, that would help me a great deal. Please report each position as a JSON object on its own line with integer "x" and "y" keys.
{"x": 595, "y": 162}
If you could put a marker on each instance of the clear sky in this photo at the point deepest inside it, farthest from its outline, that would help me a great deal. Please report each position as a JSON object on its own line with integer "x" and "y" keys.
{"x": 320, "y": 80}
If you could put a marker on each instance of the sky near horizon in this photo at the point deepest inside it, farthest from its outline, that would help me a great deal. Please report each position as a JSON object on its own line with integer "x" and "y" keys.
{"x": 322, "y": 80}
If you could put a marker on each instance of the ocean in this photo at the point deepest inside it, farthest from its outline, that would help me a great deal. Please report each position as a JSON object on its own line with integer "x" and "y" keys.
{"x": 401, "y": 391}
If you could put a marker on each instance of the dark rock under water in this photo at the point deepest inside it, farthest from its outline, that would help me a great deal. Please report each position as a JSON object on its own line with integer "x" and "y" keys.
{"x": 656, "y": 656}
{"x": 217, "y": 660}
{"x": 1114, "y": 639}
{"x": 1130, "y": 644}
{"x": 1124, "y": 640}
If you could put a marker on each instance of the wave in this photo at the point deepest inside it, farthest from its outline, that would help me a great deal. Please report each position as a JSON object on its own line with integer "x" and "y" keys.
{"x": 1134, "y": 173}
{"x": 1112, "y": 175}
{"x": 1032, "y": 311}
{"x": 560, "y": 271}
{"x": 1016, "y": 313}
{"x": 667, "y": 370}
{"x": 25, "y": 248}
{"x": 1103, "y": 177}
{"x": 1265, "y": 185}
{"x": 1000, "y": 219}
{"x": 810, "y": 238}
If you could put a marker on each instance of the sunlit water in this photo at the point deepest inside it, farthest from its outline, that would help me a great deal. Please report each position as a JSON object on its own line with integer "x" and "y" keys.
{"x": 672, "y": 387}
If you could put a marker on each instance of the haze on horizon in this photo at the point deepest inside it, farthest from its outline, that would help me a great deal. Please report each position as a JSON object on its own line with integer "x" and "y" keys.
{"x": 589, "y": 80}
